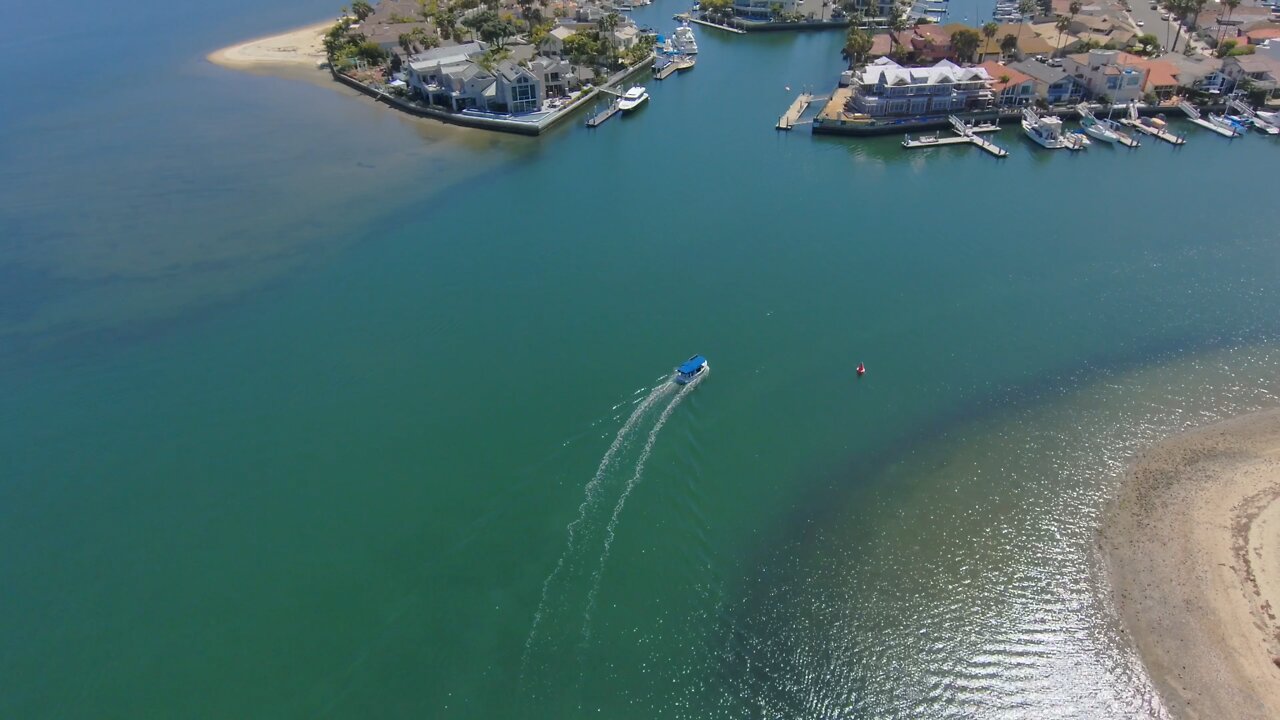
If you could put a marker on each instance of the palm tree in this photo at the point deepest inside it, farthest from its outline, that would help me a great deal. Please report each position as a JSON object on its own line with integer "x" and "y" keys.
{"x": 897, "y": 24}
{"x": 856, "y": 45}
{"x": 989, "y": 30}
{"x": 1231, "y": 10}
{"x": 965, "y": 43}
{"x": 1025, "y": 8}
{"x": 1062, "y": 26}
{"x": 1008, "y": 44}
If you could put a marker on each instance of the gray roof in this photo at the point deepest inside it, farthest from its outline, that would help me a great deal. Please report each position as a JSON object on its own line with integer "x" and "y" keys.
{"x": 1040, "y": 71}
{"x": 1259, "y": 63}
{"x": 467, "y": 50}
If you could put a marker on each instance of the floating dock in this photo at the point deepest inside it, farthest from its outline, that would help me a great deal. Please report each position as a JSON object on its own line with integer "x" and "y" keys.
{"x": 666, "y": 71}
{"x": 964, "y": 134}
{"x": 1194, "y": 116}
{"x": 598, "y": 119}
{"x": 1164, "y": 135}
{"x": 793, "y": 113}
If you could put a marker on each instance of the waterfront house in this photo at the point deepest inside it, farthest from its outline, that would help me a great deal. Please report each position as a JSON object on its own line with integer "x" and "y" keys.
{"x": 518, "y": 89}
{"x": 1260, "y": 69}
{"x": 884, "y": 88}
{"x": 449, "y": 76}
{"x": 763, "y": 9}
{"x": 1053, "y": 84}
{"x": 1011, "y": 87}
{"x": 557, "y": 77}
{"x": 1107, "y": 73}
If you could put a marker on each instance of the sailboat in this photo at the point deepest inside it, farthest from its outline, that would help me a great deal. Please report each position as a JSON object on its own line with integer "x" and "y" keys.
{"x": 1095, "y": 127}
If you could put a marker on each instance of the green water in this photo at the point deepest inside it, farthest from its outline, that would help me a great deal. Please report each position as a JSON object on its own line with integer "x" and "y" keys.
{"x": 303, "y": 398}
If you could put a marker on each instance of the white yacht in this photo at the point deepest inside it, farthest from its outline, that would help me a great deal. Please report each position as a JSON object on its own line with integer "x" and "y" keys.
{"x": 1047, "y": 131}
{"x": 633, "y": 98}
{"x": 682, "y": 41}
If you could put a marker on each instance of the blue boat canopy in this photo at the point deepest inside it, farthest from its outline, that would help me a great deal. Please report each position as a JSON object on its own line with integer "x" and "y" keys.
{"x": 692, "y": 365}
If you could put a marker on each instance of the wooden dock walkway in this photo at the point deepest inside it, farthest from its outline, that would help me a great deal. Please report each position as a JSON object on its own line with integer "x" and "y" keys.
{"x": 1164, "y": 135}
{"x": 667, "y": 71}
{"x": 1216, "y": 128}
{"x": 791, "y": 117}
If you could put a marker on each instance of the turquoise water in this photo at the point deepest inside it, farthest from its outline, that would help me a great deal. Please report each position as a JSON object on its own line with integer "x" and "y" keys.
{"x": 303, "y": 398}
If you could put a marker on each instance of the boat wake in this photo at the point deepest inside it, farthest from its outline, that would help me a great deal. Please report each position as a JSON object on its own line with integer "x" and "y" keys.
{"x": 612, "y": 527}
{"x": 590, "y": 494}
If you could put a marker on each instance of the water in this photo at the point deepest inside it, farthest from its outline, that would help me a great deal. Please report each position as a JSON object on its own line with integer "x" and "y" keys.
{"x": 301, "y": 397}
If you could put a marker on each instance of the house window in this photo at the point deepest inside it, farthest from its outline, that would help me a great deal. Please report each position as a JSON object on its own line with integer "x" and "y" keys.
{"x": 1112, "y": 83}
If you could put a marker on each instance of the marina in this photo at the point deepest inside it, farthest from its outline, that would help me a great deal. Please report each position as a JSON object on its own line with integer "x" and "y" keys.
{"x": 792, "y": 116}
{"x": 600, "y": 117}
{"x": 1154, "y": 126}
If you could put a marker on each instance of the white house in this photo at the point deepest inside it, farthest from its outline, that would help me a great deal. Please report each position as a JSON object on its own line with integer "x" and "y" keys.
{"x": 885, "y": 88}
{"x": 554, "y": 41}
{"x": 1107, "y": 72}
{"x": 519, "y": 90}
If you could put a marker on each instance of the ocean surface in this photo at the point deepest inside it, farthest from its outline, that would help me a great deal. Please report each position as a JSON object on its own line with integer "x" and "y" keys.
{"x": 312, "y": 410}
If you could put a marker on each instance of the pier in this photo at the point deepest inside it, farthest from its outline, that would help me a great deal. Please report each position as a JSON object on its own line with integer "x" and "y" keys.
{"x": 791, "y": 117}
{"x": 666, "y": 71}
{"x": 970, "y": 134}
{"x": 598, "y": 119}
{"x": 1159, "y": 132}
{"x": 685, "y": 17}
{"x": 1194, "y": 116}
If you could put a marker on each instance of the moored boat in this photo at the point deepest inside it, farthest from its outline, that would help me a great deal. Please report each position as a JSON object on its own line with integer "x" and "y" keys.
{"x": 1096, "y": 128}
{"x": 690, "y": 369}
{"x": 1047, "y": 131}
{"x": 683, "y": 42}
{"x": 633, "y": 98}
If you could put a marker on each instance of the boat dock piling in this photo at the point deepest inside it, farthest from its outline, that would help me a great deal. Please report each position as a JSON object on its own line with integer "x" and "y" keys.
{"x": 599, "y": 118}
{"x": 791, "y": 117}
{"x": 1164, "y": 135}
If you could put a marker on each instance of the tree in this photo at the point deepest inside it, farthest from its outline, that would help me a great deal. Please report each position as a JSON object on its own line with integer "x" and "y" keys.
{"x": 479, "y": 20}
{"x": 897, "y": 24}
{"x": 1196, "y": 6}
{"x": 965, "y": 43}
{"x": 1225, "y": 47}
{"x": 1231, "y": 10}
{"x": 1178, "y": 9}
{"x": 856, "y": 45}
{"x": 447, "y": 22}
{"x": 1148, "y": 44}
{"x": 579, "y": 47}
{"x": 610, "y": 22}
{"x": 989, "y": 30}
{"x": 1062, "y": 26}
{"x": 1008, "y": 44}
{"x": 361, "y": 9}
{"x": 498, "y": 32}
{"x": 1025, "y": 8}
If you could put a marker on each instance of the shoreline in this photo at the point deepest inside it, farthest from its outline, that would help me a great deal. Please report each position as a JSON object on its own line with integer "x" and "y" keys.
{"x": 1191, "y": 547}
{"x": 296, "y": 48}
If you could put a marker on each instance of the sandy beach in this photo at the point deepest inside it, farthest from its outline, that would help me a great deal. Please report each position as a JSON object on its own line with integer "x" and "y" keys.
{"x": 302, "y": 47}
{"x": 1191, "y": 546}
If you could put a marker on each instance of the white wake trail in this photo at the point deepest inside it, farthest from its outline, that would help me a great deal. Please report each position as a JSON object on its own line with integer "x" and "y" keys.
{"x": 590, "y": 491}
{"x": 622, "y": 500}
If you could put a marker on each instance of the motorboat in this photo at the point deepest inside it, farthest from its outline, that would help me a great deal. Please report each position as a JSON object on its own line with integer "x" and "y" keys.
{"x": 691, "y": 369}
{"x": 1047, "y": 131}
{"x": 633, "y": 98}
{"x": 1272, "y": 117}
{"x": 683, "y": 42}
{"x": 1080, "y": 136}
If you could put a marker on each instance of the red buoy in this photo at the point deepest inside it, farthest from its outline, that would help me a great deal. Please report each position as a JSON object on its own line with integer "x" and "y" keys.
{"x": 861, "y": 369}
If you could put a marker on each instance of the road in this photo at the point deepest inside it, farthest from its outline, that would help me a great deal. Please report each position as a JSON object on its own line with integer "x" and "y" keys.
{"x": 1164, "y": 30}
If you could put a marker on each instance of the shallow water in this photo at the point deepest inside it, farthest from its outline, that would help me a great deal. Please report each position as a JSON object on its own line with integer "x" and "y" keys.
{"x": 303, "y": 397}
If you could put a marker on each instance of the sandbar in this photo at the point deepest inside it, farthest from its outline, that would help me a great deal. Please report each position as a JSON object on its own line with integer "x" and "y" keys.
{"x": 301, "y": 47}
{"x": 1191, "y": 546}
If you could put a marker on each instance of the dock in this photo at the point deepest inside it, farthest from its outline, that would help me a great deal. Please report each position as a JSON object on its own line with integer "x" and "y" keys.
{"x": 686, "y": 17}
{"x": 964, "y": 134}
{"x": 1164, "y": 135}
{"x": 1194, "y": 116}
{"x": 598, "y": 119}
{"x": 666, "y": 71}
{"x": 791, "y": 117}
